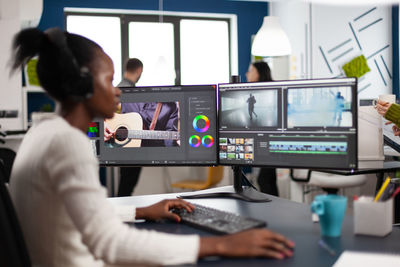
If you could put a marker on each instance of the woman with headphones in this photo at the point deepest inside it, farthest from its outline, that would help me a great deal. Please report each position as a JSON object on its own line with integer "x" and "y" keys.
{"x": 63, "y": 209}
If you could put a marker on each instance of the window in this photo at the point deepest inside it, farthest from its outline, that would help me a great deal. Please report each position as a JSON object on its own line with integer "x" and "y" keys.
{"x": 106, "y": 31}
{"x": 186, "y": 48}
{"x": 204, "y": 53}
{"x": 153, "y": 44}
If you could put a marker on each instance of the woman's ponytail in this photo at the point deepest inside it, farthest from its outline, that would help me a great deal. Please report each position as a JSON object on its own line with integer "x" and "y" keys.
{"x": 62, "y": 57}
{"x": 27, "y": 44}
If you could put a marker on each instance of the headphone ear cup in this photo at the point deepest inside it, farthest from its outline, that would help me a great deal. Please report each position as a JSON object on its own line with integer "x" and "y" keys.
{"x": 85, "y": 83}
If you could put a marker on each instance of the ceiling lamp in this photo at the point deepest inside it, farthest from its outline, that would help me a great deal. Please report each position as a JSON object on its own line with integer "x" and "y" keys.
{"x": 271, "y": 40}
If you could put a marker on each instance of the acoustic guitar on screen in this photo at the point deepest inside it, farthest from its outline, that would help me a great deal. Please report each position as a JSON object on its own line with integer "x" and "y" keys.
{"x": 129, "y": 131}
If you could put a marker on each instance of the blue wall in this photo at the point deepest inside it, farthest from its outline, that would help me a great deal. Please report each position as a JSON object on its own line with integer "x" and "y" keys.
{"x": 249, "y": 14}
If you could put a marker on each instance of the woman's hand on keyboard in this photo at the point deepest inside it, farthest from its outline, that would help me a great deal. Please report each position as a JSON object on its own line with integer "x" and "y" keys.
{"x": 161, "y": 210}
{"x": 251, "y": 243}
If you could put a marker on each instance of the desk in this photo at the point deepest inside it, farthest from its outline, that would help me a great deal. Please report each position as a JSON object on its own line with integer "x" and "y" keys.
{"x": 284, "y": 216}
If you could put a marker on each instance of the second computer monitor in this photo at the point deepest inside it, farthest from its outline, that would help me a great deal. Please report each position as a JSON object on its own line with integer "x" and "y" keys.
{"x": 300, "y": 123}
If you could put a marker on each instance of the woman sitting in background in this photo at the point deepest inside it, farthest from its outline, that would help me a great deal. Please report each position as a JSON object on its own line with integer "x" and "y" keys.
{"x": 260, "y": 72}
{"x": 62, "y": 208}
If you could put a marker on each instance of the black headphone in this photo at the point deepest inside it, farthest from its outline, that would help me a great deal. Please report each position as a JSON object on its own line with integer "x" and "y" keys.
{"x": 80, "y": 86}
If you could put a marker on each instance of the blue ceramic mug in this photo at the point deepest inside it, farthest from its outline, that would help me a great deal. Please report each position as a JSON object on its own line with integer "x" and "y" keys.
{"x": 330, "y": 210}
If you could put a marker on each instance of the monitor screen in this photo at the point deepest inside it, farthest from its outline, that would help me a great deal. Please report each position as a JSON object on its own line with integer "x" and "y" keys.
{"x": 160, "y": 125}
{"x": 298, "y": 123}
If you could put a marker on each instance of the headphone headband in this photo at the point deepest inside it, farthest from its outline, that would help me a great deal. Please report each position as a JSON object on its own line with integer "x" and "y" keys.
{"x": 81, "y": 87}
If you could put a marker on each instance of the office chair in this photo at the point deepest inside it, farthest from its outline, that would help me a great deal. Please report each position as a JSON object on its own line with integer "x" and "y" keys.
{"x": 214, "y": 176}
{"x": 330, "y": 183}
{"x": 7, "y": 156}
{"x": 13, "y": 251}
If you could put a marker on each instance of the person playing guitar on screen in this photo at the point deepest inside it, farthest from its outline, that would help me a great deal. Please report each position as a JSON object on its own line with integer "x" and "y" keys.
{"x": 158, "y": 117}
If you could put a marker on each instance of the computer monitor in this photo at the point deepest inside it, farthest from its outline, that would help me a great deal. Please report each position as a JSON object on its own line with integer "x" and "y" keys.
{"x": 296, "y": 124}
{"x": 183, "y": 133}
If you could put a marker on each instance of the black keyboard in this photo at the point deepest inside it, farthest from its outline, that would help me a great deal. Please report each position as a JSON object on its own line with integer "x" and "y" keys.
{"x": 217, "y": 221}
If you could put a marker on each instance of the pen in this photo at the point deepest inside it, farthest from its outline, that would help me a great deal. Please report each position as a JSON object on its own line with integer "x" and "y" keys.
{"x": 395, "y": 180}
{"x": 382, "y": 189}
{"x": 326, "y": 247}
{"x": 387, "y": 193}
{"x": 396, "y": 192}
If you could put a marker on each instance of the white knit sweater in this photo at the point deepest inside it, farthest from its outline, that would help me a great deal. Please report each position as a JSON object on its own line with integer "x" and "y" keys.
{"x": 63, "y": 211}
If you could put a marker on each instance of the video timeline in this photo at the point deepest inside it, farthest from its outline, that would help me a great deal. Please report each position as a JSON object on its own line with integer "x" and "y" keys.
{"x": 308, "y": 147}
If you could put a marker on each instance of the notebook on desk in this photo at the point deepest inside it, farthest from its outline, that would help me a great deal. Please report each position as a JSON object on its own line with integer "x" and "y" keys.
{"x": 367, "y": 259}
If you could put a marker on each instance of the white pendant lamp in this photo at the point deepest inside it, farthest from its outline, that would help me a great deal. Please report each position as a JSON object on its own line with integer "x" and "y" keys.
{"x": 271, "y": 40}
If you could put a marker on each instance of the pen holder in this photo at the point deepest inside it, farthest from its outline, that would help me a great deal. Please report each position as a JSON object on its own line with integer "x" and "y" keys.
{"x": 373, "y": 218}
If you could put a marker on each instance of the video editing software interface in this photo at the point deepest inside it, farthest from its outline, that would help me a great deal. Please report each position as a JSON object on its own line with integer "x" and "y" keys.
{"x": 299, "y": 123}
{"x": 160, "y": 125}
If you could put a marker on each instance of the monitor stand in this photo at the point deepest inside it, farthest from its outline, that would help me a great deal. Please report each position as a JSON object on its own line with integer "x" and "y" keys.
{"x": 244, "y": 190}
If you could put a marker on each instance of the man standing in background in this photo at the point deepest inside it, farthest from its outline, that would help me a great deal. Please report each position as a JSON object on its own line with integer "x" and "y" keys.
{"x": 133, "y": 71}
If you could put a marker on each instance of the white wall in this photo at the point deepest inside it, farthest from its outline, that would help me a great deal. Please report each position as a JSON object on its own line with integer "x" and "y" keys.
{"x": 343, "y": 33}
{"x": 316, "y": 30}
{"x": 13, "y": 16}
{"x": 30, "y": 12}
{"x": 10, "y": 87}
